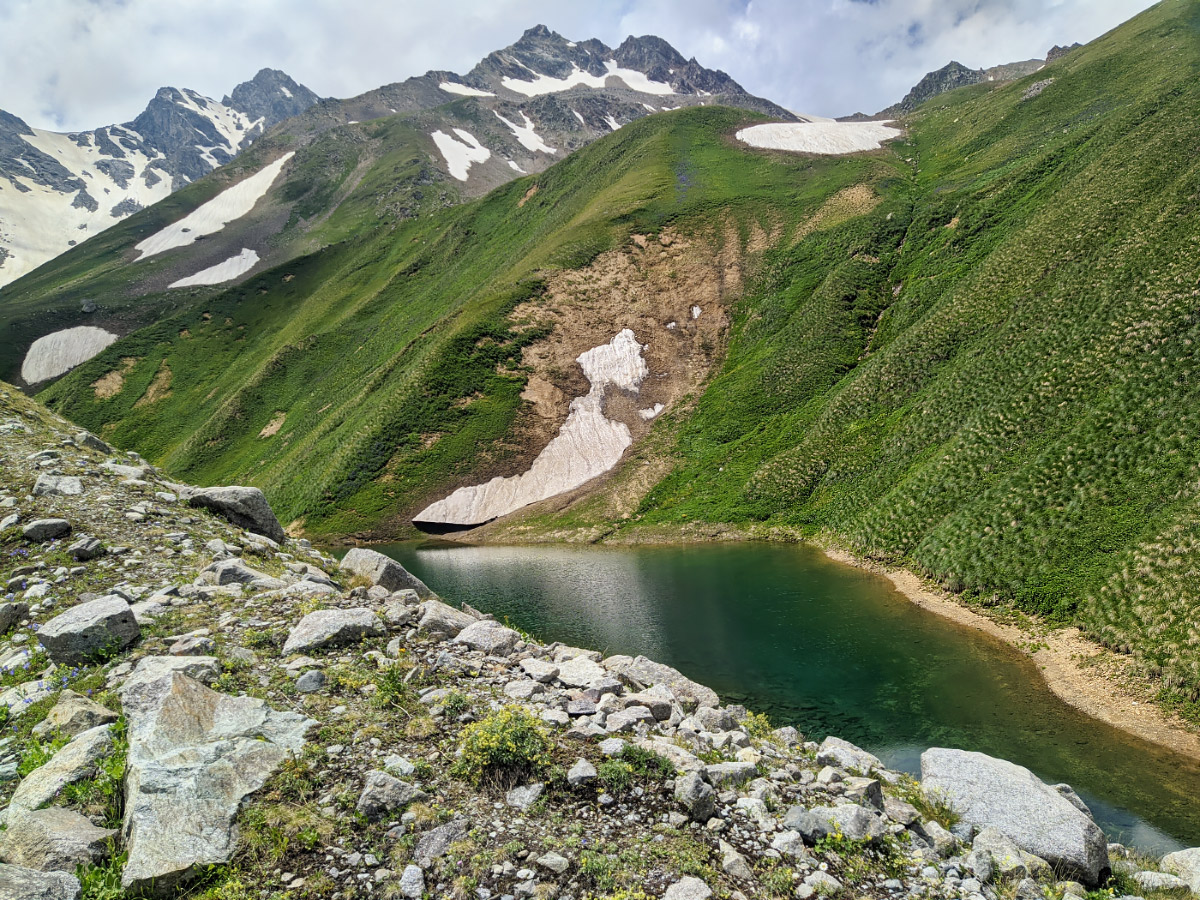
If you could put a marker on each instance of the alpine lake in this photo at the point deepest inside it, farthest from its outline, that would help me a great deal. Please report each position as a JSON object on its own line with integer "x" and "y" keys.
{"x": 829, "y": 649}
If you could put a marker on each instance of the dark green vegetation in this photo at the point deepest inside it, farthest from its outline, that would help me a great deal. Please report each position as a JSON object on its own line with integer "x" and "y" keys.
{"x": 988, "y": 375}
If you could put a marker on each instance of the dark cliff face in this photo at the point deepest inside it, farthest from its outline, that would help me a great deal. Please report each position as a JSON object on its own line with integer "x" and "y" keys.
{"x": 272, "y": 96}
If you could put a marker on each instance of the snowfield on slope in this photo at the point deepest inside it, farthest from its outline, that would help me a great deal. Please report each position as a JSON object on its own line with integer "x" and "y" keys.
{"x": 827, "y": 138}
{"x": 463, "y": 90}
{"x": 545, "y": 84}
{"x": 526, "y": 136}
{"x": 53, "y": 354}
{"x": 229, "y": 205}
{"x": 460, "y": 154}
{"x": 222, "y": 271}
{"x": 587, "y": 445}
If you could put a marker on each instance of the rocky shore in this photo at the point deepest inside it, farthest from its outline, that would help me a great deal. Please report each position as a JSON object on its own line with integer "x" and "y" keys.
{"x": 195, "y": 705}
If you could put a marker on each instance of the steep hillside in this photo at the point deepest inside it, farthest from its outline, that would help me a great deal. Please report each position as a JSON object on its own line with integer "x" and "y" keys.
{"x": 57, "y": 190}
{"x": 348, "y": 167}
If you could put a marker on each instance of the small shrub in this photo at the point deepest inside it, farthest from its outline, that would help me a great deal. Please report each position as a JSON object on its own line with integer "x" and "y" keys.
{"x": 616, "y": 775}
{"x": 503, "y": 748}
{"x": 456, "y": 704}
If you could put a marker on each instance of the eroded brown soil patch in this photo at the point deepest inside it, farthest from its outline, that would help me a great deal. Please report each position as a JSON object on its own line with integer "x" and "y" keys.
{"x": 848, "y": 203}
{"x": 112, "y": 383}
{"x": 160, "y": 387}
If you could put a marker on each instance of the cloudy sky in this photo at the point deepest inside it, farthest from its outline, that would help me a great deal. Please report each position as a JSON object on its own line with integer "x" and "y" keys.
{"x": 77, "y": 64}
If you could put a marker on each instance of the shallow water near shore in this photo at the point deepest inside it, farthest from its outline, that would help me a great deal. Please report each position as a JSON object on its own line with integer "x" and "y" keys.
{"x": 829, "y": 649}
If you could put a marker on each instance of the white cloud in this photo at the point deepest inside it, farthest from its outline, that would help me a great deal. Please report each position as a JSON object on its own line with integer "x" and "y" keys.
{"x": 75, "y": 64}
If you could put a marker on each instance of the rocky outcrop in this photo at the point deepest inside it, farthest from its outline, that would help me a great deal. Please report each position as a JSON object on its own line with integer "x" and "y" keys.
{"x": 243, "y": 506}
{"x": 994, "y": 793}
{"x": 194, "y": 755}
{"x": 89, "y": 631}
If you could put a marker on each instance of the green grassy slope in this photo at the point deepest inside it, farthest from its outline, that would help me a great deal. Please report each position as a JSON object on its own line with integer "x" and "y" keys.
{"x": 374, "y": 347}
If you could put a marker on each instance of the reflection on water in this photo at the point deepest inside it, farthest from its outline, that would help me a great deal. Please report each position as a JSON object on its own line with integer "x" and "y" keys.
{"x": 830, "y": 649}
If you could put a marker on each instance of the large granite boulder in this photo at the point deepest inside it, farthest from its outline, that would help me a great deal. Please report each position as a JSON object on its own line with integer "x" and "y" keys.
{"x": 74, "y": 762}
{"x": 845, "y": 755}
{"x": 994, "y": 793}
{"x": 1186, "y": 865}
{"x": 83, "y": 633}
{"x": 194, "y": 755}
{"x": 383, "y": 571}
{"x": 245, "y": 507}
{"x": 491, "y": 637}
{"x": 20, "y": 883}
{"x": 641, "y": 673}
{"x": 53, "y": 839}
{"x": 333, "y": 628}
{"x": 441, "y": 620}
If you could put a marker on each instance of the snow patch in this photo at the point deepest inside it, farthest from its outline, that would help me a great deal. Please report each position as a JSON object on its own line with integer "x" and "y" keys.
{"x": 515, "y": 167}
{"x": 222, "y": 271}
{"x": 612, "y": 123}
{"x": 828, "y": 138}
{"x": 285, "y": 92}
{"x": 652, "y": 412}
{"x": 526, "y": 136}
{"x": 53, "y": 354}
{"x": 649, "y": 107}
{"x": 545, "y": 84}
{"x": 588, "y": 444}
{"x": 463, "y": 90}
{"x": 580, "y": 118}
{"x": 696, "y": 312}
{"x": 232, "y": 203}
{"x": 459, "y": 155}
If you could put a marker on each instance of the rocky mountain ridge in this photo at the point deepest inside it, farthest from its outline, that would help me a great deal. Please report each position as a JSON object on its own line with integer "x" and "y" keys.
{"x": 57, "y": 190}
{"x": 170, "y": 672}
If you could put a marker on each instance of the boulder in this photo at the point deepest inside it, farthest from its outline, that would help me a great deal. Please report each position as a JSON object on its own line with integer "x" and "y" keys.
{"x": 53, "y": 840}
{"x": 20, "y": 883}
{"x": 382, "y": 794}
{"x": 696, "y": 796}
{"x": 231, "y": 571}
{"x": 74, "y": 762}
{"x": 730, "y": 774}
{"x": 1159, "y": 881}
{"x": 441, "y": 620}
{"x": 83, "y": 633}
{"x": 994, "y": 793}
{"x": 86, "y": 548}
{"x": 713, "y": 719}
{"x": 554, "y": 862}
{"x": 11, "y": 614}
{"x": 86, "y": 438}
{"x": 40, "y": 530}
{"x": 540, "y": 671}
{"x": 151, "y": 668}
{"x": 194, "y": 755}
{"x": 641, "y": 673}
{"x": 57, "y": 486}
{"x": 688, "y": 888}
{"x": 525, "y": 795}
{"x": 853, "y": 822}
{"x": 1185, "y": 864}
{"x": 490, "y": 637}
{"x": 653, "y": 700}
{"x": 582, "y": 774}
{"x": 580, "y": 672}
{"x": 434, "y": 843}
{"x": 245, "y": 507}
{"x": 412, "y": 883}
{"x": 74, "y": 714}
{"x": 844, "y": 755}
{"x": 333, "y": 628}
{"x": 383, "y": 571}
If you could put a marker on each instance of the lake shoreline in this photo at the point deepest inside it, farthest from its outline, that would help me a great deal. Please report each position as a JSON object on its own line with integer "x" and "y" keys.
{"x": 1078, "y": 671}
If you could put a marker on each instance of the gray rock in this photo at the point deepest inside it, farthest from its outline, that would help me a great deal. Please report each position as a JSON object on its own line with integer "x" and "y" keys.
{"x": 688, "y": 888}
{"x": 310, "y": 682}
{"x": 979, "y": 863}
{"x": 790, "y": 844}
{"x": 57, "y": 486}
{"x": 490, "y": 637}
{"x": 412, "y": 882}
{"x": 194, "y": 755}
{"x": 74, "y": 714}
{"x": 641, "y": 673}
{"x": 232, "y": 571}
{"x": 11, "y": 614}
{"x": 714, "y": 720}
{"x": 1007, "y": 858}
{"x": 734, "y": 864}
{"x": 333, "y": 628}
{"x": 1185, "y": 864}
{"x": 540, "y": 671}
{"x": 441, "y": 620}
{"x": 628, "y": 719}
{"x": 53, "y": 839}
{"x": 988, "y": 792}
{"x": 20, "y": 883}
{"x": 525, "y": 795}
{"x": 823, "y": 882}
{"x": 151, "y": 668}
{"x": 854, "y": 822}
{"x": 40, "y": 530}
{"x": 580, "y": 672}
{"x": 74, "y": 762}
{"x": 383, "y": 571}
{"x": 612, "y": 746}
{"x": 943, "y": 842}
{"x": 89, "y": 630}
{"x": 554, "y": 862}
{"x": 1073, "y": 798}
{"x": 434, "y": 843}
{"x": 788, "y": 736}
{"x": 899, "y": 811}
{"x": 86, "y": 548}
{"x": 1028, "y": 889}
{"x": 382, "y": 794}
{"x": 844, "y": 755}
{"x": 864, "y": 791}
{"x": 730, "y": 774}
{"x": 245, "y": 507}
{"x": 86, "y": 438}
{"x": 1159, "y": 881}
{"x": 652, "y": 699}
{"x": 696, "y": 796}
{"x": 582, "y": 774}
